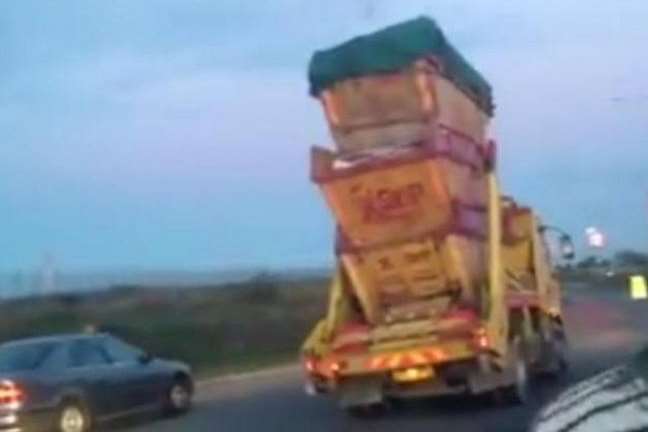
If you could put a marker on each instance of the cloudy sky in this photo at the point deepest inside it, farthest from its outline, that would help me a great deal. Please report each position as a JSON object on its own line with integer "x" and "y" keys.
{"x": 175, "y": 134}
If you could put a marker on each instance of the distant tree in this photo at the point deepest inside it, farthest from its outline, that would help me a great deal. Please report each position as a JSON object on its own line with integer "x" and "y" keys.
{"x": 565, "y": 267}
{"x": 587, "y": 262}
{"x": 631, "y": 258}
{"x": 262, "y": 288}
{"x": 592, "y": 262}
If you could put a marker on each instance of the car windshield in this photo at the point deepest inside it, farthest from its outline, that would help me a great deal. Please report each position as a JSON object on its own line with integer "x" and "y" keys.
{"x": 24, "y": 356}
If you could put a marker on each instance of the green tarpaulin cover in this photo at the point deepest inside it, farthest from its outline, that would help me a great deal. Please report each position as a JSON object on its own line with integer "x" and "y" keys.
{"x": 393, "y": 49}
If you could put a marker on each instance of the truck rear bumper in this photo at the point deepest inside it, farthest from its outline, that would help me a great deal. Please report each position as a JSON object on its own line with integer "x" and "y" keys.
{"x": 434, "y": 387}
{"x": 475, "y": 381}
{"x": 471, "y": 376}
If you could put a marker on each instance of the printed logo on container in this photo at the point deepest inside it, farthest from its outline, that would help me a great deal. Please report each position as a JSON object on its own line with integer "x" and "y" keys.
{"x": 385, "y": 205}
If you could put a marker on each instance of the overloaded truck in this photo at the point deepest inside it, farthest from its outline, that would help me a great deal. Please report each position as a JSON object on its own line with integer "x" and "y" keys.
{"x": 442, "y": 285}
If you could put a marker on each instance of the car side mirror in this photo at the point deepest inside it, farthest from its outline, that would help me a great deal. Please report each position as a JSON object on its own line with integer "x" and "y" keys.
{"x": 145, "y": 358}
{"x": 567, "y": 249}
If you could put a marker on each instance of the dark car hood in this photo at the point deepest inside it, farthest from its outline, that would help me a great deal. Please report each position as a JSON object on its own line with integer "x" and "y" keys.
{"x": 172, "y": 365}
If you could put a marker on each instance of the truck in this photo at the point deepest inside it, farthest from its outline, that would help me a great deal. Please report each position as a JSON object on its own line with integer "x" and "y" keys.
{"x": 442, "y": 285}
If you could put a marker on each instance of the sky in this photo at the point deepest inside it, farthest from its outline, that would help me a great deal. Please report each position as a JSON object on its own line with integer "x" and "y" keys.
{"x": 176, "y": 134}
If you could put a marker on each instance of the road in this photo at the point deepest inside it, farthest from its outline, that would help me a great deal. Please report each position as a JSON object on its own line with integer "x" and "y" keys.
{"x": 604, "y": 328}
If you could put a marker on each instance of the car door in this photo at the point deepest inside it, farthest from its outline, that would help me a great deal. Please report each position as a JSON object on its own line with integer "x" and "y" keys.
{"x": 145, "y": 380}
{"x": 91, "y": 369}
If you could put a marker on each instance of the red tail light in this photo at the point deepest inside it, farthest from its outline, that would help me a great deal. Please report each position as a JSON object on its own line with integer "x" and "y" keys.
{"x": 309, "y": 364}
{"x": 338, "y": 366}
{"x": 11, "y": 395}
{"x": 481, "y": 339}
{"x": 438, "y": 355}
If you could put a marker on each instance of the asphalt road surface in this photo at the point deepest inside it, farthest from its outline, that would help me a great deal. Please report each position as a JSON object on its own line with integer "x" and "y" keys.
{"x": 604, "y": 328}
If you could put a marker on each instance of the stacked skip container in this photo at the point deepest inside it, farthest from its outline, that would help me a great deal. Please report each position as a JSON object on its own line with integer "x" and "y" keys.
{"x": 411, "y": 189}
{"x": 407, "y": 183}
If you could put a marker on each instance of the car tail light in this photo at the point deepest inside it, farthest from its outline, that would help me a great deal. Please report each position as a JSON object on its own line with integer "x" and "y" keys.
{"x": 11, "y": 395}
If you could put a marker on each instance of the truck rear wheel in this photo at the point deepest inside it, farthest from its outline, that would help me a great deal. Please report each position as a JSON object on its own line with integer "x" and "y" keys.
{"x": 362, "y": 396}
{"x": 369, "y": 411}
{"x": 559, "y": 352}
{"x": 518, "y": 391}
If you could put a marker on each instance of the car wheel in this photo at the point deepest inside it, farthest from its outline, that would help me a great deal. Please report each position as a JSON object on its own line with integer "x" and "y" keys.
{"x": 73, "y": 417}
{"x": 179, "y": 396}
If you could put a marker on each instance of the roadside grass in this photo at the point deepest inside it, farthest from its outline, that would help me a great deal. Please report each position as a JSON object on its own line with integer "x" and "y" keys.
{"x": 619, "y": 280}
{"x": 218, "y": 329}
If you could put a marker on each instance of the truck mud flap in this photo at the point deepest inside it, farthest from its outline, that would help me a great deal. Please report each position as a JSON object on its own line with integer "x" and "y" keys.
{"x": 479, "y": 383}
{"x": 488, "y": 377}
{"x": 360, "y": 391}
{"x": 311, "y": 389}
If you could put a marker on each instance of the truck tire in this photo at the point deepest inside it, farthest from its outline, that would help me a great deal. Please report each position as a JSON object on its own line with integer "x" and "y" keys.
{"x": 559, "y": 347}
{"x": 362, "y": 396}
{"x": 518, "y": 392}
{"x": 369, "y": 411}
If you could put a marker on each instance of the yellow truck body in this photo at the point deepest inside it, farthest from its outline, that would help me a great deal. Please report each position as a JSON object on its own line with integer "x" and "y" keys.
{"x": 441, "y": 285}
{"x": 458, "y": 350}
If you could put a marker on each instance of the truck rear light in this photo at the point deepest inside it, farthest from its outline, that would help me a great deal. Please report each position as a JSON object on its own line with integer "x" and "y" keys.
{"x": 309, "y": 364}
{"x": 11, "y": 395}
{"x": 413, "y": 374}
{"x": 338, "y": 366}
{"x": 378, "y": 362}
{"x": 481, "y": 339}
{"x": 482, "y": 342}
{"x": 438, "y": 355}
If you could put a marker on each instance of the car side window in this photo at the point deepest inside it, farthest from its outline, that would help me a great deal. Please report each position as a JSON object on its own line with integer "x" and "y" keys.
{"x": 87, "y": 353}
{"x": 58, "y": 359}
{"x": 121, "y": 352}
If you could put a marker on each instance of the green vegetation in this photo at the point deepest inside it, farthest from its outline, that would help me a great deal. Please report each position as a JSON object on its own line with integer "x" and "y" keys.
{"x": 600, "y": 277}
{"x": 623, "y": 261}
{"x": 216, "y": 329}
{"x": 604, "y": 272}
